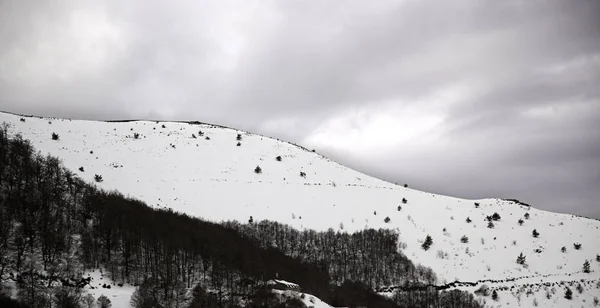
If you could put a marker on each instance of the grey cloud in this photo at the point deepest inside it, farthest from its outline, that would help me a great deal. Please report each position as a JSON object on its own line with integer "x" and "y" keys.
{"x": 283, "y": 68}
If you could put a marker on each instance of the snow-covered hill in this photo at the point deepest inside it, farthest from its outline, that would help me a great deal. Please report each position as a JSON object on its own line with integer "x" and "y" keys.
{"x": 212, "y": 177}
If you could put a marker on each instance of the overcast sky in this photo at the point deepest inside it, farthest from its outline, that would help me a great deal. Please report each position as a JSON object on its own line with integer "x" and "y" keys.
{"x": 474, "y": 98}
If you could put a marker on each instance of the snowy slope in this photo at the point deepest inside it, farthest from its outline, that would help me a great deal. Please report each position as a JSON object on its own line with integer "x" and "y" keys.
{"x": 215, "y": 179}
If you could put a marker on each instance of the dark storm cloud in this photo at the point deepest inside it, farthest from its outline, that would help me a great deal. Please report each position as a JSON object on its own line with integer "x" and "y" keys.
{"x": 467, "y": 98}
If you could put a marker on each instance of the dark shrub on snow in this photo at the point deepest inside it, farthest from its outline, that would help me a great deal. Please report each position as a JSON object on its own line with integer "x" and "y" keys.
{"x": 427, "y": 243}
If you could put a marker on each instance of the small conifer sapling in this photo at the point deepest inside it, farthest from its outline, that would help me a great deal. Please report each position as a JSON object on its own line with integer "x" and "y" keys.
{"x": 427, "y": 243}
{"x": 495, "y": 295}
{"x": 568, "y": 294}
{"x": 586, "y": 267}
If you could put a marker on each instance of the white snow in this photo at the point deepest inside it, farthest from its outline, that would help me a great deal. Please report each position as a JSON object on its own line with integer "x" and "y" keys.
{"x": 307, "y": 299}
{"x": 119, "y": 296}
{"x": 215, "y": 179}
{"x": 283, "y": 282}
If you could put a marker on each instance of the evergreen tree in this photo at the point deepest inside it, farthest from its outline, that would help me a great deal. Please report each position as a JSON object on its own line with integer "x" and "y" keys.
{"x": 598, "y": 258}
{"x": 521, "y": 259}
{"x": 464, "y": 239}
{"x": 568, "y": 293}
{"x": 535, "y": 233}
{"x": 469, "y": 220}
{"x": 496, "y": 217}
{"x": 563, "y": 249}
{"x": 55, "y": 136}
{"x": 521, "y": 222}
{"x": 404, "y": 200}
{"x": 586, "y": 266}
{"x": 490, "y": 224}
{"x": 257, "y": 170}
{"x": 526, "y": 215}
{"x": 495, "y": 295}
{"x": 427, "y": 243}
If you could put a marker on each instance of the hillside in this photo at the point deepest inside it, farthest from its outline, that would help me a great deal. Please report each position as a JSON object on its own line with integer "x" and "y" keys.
{"x": 210, "y": 176}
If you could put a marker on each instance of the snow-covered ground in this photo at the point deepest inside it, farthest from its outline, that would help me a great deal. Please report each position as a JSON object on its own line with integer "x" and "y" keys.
{"x": 119, "y": 296}
{"x": 215, "y": 179}
{"x": 307, "y": 299}
{"x": 551, "y": 296}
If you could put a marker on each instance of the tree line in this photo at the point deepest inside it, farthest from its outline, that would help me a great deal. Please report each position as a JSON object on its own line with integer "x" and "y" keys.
{"x": 369, "y": 256}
